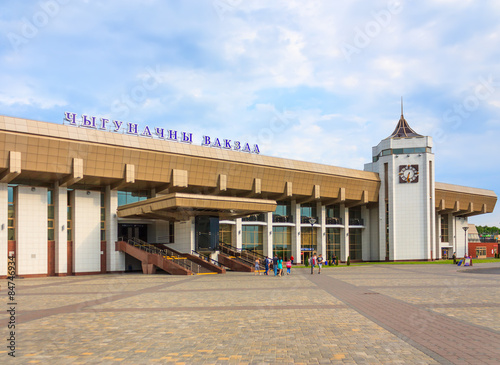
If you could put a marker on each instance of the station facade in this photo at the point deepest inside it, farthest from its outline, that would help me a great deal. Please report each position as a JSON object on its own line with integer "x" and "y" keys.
{"x": 69, "y": 193}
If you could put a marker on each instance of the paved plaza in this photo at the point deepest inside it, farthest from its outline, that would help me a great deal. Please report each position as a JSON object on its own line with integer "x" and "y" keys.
{"x": 373, "y": 314}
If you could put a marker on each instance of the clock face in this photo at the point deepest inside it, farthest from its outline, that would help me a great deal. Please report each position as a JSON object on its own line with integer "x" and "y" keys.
{"x": 408, "y": 173}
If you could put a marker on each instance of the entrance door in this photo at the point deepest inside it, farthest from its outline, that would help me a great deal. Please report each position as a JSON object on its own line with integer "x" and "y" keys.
{"x": 132, "y": 230}
{"x": 207, "y": 233}
{"x": 444, "y": 253}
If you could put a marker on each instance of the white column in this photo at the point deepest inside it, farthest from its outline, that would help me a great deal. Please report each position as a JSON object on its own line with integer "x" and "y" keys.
{"x": 87, "y": 231}
{"x": 4, "y": 204}
{"x": 322, "y": 230}
{"x": 296, "y": 243}
{"x": 239, "y": 234}
{"x": 344, "y": 233}
{"x": 31, "y": 228}
{"x": 115, "y": 260}
{"x": 438, "y": 236}
{"x": 268, "y": 235}
{"x": 365, "y": 235}
{"x": 61, "y": 228}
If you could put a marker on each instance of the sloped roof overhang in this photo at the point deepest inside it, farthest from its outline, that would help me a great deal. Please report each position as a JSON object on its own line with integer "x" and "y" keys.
{"x": 181, "y": 206}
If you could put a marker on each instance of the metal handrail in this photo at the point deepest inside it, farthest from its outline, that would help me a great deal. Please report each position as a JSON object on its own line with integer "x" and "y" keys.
{"x": 245, "y": 255}
{"x": 208, "y": 258}
{"x": 181, "y": 261}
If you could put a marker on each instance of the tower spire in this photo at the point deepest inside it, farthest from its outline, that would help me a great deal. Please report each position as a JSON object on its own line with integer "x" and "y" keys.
{"x": 403, "y": 130}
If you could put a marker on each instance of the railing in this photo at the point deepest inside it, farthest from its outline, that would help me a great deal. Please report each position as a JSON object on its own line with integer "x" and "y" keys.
{"x": 243, "y": 255}
{"x": 255, "y": 218}
{"x": 165, "y": 253}
{"x": 333, "y": 220}
{"x": 208, "y": 259}
{"x": 305, "y": 219}
{"x": 282, "y": 218}
{"x": 356, "y": 222}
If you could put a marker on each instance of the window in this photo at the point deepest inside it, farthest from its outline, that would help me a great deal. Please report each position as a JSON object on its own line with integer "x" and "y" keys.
{"x": 103, "y": 218}
{"x": 308, "y": 210}
{"x": 444, "y": 228}
{"x": 225, "y": 235}
{"x": 50, "y": 215}
{"x": 309, "y": 239}
{"x": 282, "y": 242}
{"x": 481, "y": 251}
{"x": 332, "y": 243}
{"x": 355, "y": 243}
{"x": 12, "y": 215}
{"x": 127, "y": 197}
{"x": 252, "y": 238}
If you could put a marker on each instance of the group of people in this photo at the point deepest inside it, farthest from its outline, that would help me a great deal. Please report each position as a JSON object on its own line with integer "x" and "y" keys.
{"x": 316, "y": 260}
{"x": 276, "y": 263}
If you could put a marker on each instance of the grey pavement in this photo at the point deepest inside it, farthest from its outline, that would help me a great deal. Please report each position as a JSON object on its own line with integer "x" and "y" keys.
{"x": 373, "y": 314}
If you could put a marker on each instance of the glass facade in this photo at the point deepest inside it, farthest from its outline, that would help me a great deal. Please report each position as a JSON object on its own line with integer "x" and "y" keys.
{"x": 355, "y": 243}
{"x": 225, "y": 235}
{"x": 127, "y": 197}
{"x": 332, "y": 243}
{"x": 11, "y": 235}
{"x": 50, "y": 215}
{"x": 444, "y": 228}
{"x": 308, "y": 210}
{"x": 252, "y": 238}
{"x": 282, "y": 242}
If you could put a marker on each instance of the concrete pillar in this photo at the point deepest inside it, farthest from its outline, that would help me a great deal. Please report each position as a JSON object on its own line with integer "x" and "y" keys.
{"x": 365, "y": 235}
{"x": 239, "y": 234}
{"x": 115, "y": 260}
{"x": 268, "y": 235}
{"x": 296, "y": 243}
{"x": 4, "y": 201}
{"x": 321, "y": 209}
{"x": 61, "y": 228}
{"x": 344, "y": 233}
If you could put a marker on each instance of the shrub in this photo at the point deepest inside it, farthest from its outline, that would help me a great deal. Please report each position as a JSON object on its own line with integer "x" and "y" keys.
{"x": 348, "y": 260}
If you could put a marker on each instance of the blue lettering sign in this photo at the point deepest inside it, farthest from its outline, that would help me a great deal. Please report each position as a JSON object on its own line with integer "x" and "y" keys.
{"x": 132, "y": 128}
{"x": 172, "y": 135}
{"x": 187, "y": 137}
{"x": 70, "y": 117}
{"x": 147, "y": 132}
{"x": 159, "y": 132}
{"x": 237, "y": 146}
{"x": 246, "y": 148}
{"x": 256, "y": 149}
{"x": 86, "y": 122}
{"x": 104, "y": 121}
{"x": 216, "y": 143}
{"x": 227, "y": 144}
{"x": 117, "y": 124}
{"x": 206, "y": 141}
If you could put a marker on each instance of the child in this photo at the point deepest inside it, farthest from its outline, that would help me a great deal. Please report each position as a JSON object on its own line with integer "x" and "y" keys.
{"x": 288, "y": 267}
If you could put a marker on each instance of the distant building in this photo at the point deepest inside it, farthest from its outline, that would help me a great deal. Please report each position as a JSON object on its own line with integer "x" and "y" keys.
{"x": 481, "y": 247}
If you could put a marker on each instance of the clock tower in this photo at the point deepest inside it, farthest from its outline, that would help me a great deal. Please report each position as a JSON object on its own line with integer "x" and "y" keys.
{"x": 405, "y": 212}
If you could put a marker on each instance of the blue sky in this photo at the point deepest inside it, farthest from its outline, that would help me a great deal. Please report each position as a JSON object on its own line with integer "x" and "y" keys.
{"x": 318, "y": 80}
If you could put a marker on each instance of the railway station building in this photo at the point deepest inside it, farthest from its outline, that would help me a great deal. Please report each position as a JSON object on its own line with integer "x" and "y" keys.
{"x": 71, "y": 192}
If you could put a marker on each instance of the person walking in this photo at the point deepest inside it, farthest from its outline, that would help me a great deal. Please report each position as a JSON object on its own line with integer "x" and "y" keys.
{"x": 280, "y": 266}
{"x": 257, "y": 266}
{"x": 291, "y": 259}
{"x": 312, "y": 262}
{"x": 320, "y": 263}
{"x": 289, "y": 267}
{"x": 266, "y": 265}
{"x": 275, "y": 264}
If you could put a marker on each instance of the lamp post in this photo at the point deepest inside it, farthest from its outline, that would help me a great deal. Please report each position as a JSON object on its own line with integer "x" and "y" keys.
{"x": 465, "y": 248}
{"x": 312, "y": 221}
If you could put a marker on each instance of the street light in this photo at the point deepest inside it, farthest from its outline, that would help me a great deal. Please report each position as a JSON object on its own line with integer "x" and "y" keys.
{"x": 465, "y": 231}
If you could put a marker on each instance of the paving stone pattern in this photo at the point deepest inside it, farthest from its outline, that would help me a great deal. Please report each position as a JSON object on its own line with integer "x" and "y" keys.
{"x": 376, "y": 314}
